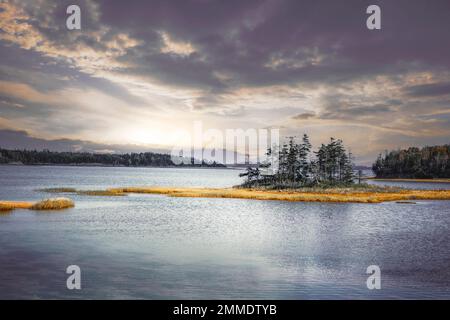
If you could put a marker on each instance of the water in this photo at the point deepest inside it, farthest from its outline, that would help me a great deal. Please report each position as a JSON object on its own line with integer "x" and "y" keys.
{"x": 158, "y": 247}
{"x": 412, "y": 184}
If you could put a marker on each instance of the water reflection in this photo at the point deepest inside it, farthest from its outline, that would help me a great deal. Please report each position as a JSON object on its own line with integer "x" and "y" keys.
{"x": 152, "y": 246}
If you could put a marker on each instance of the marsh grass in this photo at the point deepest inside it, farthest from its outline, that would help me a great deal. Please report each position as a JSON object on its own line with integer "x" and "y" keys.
{"x": 366, "y": 194}
{"x": 357, "y": 188}
{"x": 6, "y": 207}
{"x": 362, "y": 193}
{"x": 104, "y": 193}
{"x": 59, "y": 190}
{"x": 53, "y": 204}
{"x": 11, "y": 205}
{"x": 47, "y": 204}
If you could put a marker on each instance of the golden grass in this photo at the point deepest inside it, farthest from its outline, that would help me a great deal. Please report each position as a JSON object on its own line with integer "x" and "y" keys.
{"x": 6, "y": 207}
{"x": 109, "y": 192}
{"x": 11, "y": 205}
{"x": 357, "y": 194}
{"x": 104, "y": 193}
{"x": 59, "y": 190}
{"x": 48, "y": 204}
{"x": 53, "y": 204}
{"x": 326, "y": 195}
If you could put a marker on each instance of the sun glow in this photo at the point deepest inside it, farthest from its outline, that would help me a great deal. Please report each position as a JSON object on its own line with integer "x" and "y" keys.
{"x": 162, "y": 137}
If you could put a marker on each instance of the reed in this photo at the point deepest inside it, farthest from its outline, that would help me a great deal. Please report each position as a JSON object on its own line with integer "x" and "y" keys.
{"x": 108, "y": 192}
{"x": 356, "y": 194}
{"x": 375, "y": 195}
{"x": 6, "y": 207}
{"x": 104, "y": 193}
{"x": 47, "y": 204}
{"x": 11, "y": 205}
{"x": 59, "y": 190}
{"x": 53, "y": 204}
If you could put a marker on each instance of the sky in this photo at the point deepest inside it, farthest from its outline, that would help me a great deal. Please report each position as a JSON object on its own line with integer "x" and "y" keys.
{"x": 139, "y": 74}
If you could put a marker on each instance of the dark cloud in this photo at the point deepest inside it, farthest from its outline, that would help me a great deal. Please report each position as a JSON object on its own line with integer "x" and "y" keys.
{"x": 355, "y": 107}
{"x": 243, "y": 37}
{"x": 429, "y": 90}
{"x": 46, "y": 75}
{"x": 211, "y": 56}
{"x": 304, "y": 116}
{"x": 259, "y": 43}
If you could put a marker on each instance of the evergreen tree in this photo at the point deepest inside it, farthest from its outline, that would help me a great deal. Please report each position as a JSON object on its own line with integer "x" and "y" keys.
{"x": 305, "y": 167}
{"x": 428, "y": 162}
{"x": 332, "y": 165}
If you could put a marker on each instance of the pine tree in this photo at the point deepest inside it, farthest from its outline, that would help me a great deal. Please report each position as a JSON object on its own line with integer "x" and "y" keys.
{"x": 292, "y": 161}
{"x": 348, "y": 175}
{"x": 332, "y": 165}
{"x": 252, "y": 174}
{"x": 305, "y": 167}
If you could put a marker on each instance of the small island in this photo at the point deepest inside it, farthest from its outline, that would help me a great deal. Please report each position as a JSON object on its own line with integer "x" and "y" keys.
{"x": 47, "y": 204}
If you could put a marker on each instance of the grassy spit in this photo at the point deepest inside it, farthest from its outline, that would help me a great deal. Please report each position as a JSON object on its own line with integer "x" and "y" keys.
{"x": 11, "y": 205}
{"x": 329, "y": 195}
{"x": 58, "y": 190}
{"x": 47, "y": 204}
{"x": 104, "y": 193}
{"x": 357, "y": 194}
{"x": 109, "y": 192}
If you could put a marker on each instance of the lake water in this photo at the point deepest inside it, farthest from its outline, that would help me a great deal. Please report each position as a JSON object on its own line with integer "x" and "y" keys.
{"x": 158, "y": 247}
{"x": 412, "y": 184}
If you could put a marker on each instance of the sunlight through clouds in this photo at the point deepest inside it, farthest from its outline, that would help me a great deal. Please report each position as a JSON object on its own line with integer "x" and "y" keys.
{"x": 234, "y": 65}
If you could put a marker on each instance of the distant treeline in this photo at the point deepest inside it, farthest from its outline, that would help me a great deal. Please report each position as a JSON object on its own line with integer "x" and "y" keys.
{"x": 33, "y": 157}
{"x": 428, "y": 162}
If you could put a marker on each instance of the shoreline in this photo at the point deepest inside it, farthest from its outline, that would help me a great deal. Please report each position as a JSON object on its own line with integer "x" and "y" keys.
{"x": 93, "y": 165}
{"x": 338, "y": 195}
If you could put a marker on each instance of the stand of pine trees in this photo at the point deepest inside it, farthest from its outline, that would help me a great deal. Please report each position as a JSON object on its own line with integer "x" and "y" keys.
{"x": 298, "y": 166}
{"x": 414, "y": 163}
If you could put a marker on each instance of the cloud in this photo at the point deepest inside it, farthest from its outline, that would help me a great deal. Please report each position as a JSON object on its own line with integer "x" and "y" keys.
{"x": 429, "y": 90}
{"x": 24, "y": 92}
{"x": 7, "y": 102}
{"x": 258, "y": 63}
{"x": 19, "y": 139}
{"x": 256, "y": 43}
{"x": 304, "y": 116}
{"x": 176, "y": 47}
{"x": 351, "y": 111}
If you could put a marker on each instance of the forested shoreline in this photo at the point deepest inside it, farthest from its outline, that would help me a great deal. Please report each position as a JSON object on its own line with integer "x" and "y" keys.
{"x": 414, "y": 163}
{"x": 46, "y": 157}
